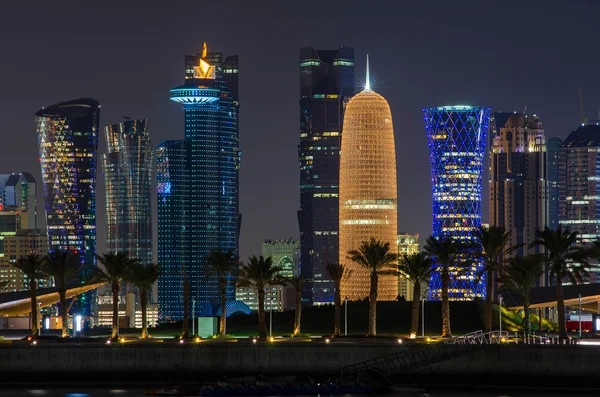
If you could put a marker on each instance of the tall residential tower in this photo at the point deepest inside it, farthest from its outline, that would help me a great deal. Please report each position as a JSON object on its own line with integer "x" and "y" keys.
{"x": 519, "y": 181}
{"x": 457, "y": 140}
{"x": 326, "y": 84}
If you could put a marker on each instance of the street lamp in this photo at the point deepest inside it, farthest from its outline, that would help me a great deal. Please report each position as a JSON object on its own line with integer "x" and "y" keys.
{"x": 271, "y": 319}
{"x": 346, "y": 317}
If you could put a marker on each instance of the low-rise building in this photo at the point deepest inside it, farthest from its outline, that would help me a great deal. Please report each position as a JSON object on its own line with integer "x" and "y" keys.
{"x": 16, "y": 245}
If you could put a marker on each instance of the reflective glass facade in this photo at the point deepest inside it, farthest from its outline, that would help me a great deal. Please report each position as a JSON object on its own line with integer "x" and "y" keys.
{"x": 68, "y": 144}
{"x": 19, "y": 190}
{"x": 127, "y": 167}
{"x": 211, "y": 218}
{"x": 326, "y": 84}
{"x": 457, "y": 140}
{"x": 171, "y": 171}
{"x": 553, "y": 150}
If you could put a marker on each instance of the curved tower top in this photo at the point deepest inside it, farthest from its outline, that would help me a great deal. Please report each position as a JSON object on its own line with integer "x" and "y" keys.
{"x": 368, "y": 189}
{"x": 74, "y": 108}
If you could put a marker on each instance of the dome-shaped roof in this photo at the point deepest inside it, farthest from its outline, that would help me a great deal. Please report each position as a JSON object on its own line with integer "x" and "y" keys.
{"x": 515, "y": 121}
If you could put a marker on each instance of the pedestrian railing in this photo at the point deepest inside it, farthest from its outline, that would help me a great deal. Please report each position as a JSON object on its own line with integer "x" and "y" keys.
{"x": 404, "y": 360}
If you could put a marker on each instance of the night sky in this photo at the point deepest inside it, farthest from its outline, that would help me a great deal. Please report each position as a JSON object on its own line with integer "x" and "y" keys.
{"x": 128, "y": 54}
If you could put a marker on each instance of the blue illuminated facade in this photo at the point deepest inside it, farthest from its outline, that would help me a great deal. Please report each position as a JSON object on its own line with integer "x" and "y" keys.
{"x": 198, "y": 185}
{"x": 457, "y": 141}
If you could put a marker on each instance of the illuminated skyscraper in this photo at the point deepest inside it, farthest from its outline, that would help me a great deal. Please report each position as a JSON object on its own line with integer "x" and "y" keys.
{"x": 19, "y": 190}
{"x": 457, "y": 140}
{"x": 127, "y": 167}
{"x": 326, "y": 84}
{"x": 553, "y": 149}
{"x": 68, "y": 143}
{"x": 171, "y": 171}
{"x": 519, "y": 181}
{"x": 368, "y": 193}
{"x": 579, "y": 184}
{"x": 211, "y": 218}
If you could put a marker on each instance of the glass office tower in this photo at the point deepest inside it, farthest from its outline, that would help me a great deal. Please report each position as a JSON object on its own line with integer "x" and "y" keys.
{"x": 171, "y": 169}
{"x": 326, "y": 83}
{"x": 128, "y": 166}
{"x": 68, "y": 144}
{"x": 553, "y": 150}
{"x": 457, "y": 140}
{"x": 19, "y": 190}
{"x": 211, "y": 218}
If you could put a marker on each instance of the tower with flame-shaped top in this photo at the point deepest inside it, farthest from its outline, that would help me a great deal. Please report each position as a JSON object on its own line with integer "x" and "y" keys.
{"x": 198, "y": 186}
{"x": 368, "y": 192}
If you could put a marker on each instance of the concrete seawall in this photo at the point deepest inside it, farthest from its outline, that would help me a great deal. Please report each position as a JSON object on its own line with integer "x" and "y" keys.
{"x": 525, "y": 360}
{"x": 226, "y": 358}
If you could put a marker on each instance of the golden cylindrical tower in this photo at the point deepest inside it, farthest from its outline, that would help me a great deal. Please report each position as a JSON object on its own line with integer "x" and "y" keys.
{"x": 368, "y": 192}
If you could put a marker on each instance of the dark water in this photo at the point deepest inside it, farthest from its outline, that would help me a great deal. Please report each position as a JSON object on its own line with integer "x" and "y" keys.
{"x": 115, "y": 392}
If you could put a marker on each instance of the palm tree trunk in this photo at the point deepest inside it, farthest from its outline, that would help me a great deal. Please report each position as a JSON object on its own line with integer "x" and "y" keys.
{"x": 34, "y": 309}
{"x": 262, "y": 328}
{"x": 115, "y": 322}
{"x": 144, "y": 305}
{"x": 338, "y": 309}
{"x": 223, "y": 286}
{"x": 526, "y": 312}
{"x": 487, "y": 316}
{"x": 414, "y": 324}
{"x": 541, "y": 318}
{"x": 62, "y": 294}
{"x": 560, "y": 303}
{"x": 298, "y": 313}
{"x": 373, "y": 305}
{"x": 186, "y": 298}
{"x": 446, "y": 332}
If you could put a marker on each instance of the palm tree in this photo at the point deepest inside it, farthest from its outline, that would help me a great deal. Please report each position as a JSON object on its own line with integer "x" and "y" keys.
{"x": 567, "y": 261}
{"x": 65, "y": 268}
{"x": 223, "y": 264}
{"x": 521, "y": 274}
{"x": 375, "y": 256}
{"x": 116, "y": 269}
{"x": 143, "y": 276}
{"x": 417, "y": 268}
{"x": 445, "y": 253}
{"x": 33, "y": 267}
{"x": 260, "y": 273}
{"x": 338, "y": 273}
{"x": 493, "y": 242}
{"x": 297, "y": 283}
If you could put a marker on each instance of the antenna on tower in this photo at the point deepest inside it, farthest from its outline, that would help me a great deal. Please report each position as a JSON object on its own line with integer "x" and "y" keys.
{"x": 581, "y": 110}
{"x": 368, "y": 78}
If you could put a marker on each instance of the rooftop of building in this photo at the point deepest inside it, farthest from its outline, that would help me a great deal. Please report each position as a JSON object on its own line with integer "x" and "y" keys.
{"x": 587, "y": 135}
{"x": 74, "y": 108}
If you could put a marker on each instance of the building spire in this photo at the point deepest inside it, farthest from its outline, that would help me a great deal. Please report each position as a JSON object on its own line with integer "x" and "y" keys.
{"x": 368, "y": 78}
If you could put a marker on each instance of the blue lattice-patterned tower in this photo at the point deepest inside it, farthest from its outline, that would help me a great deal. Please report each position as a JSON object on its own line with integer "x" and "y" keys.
{"x": 457, "y": 139}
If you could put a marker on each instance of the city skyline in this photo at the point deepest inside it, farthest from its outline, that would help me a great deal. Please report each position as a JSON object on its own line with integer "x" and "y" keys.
{"x": 401, "y": 71}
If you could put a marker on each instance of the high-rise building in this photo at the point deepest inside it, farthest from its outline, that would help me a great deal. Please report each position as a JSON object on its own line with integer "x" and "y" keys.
{"x": 326, "y": 84}
{"x": 171, "y": 171}
{"x": 128, "y": 165}
{"x": 457, "y": 140}
{"x": 284, "y": 253}
{"x": 578, "y": 185}
{"x": 519, "y": 181}
{"x": 211, "y": 218}
{"x": 19, "y": 190}
{"x": 368, "y": 193}
{"x": 68, "y": 143}
{"x": 407, "y": 244}
{"x": 553, "y": 150}
{"x": 18, "y": 245}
